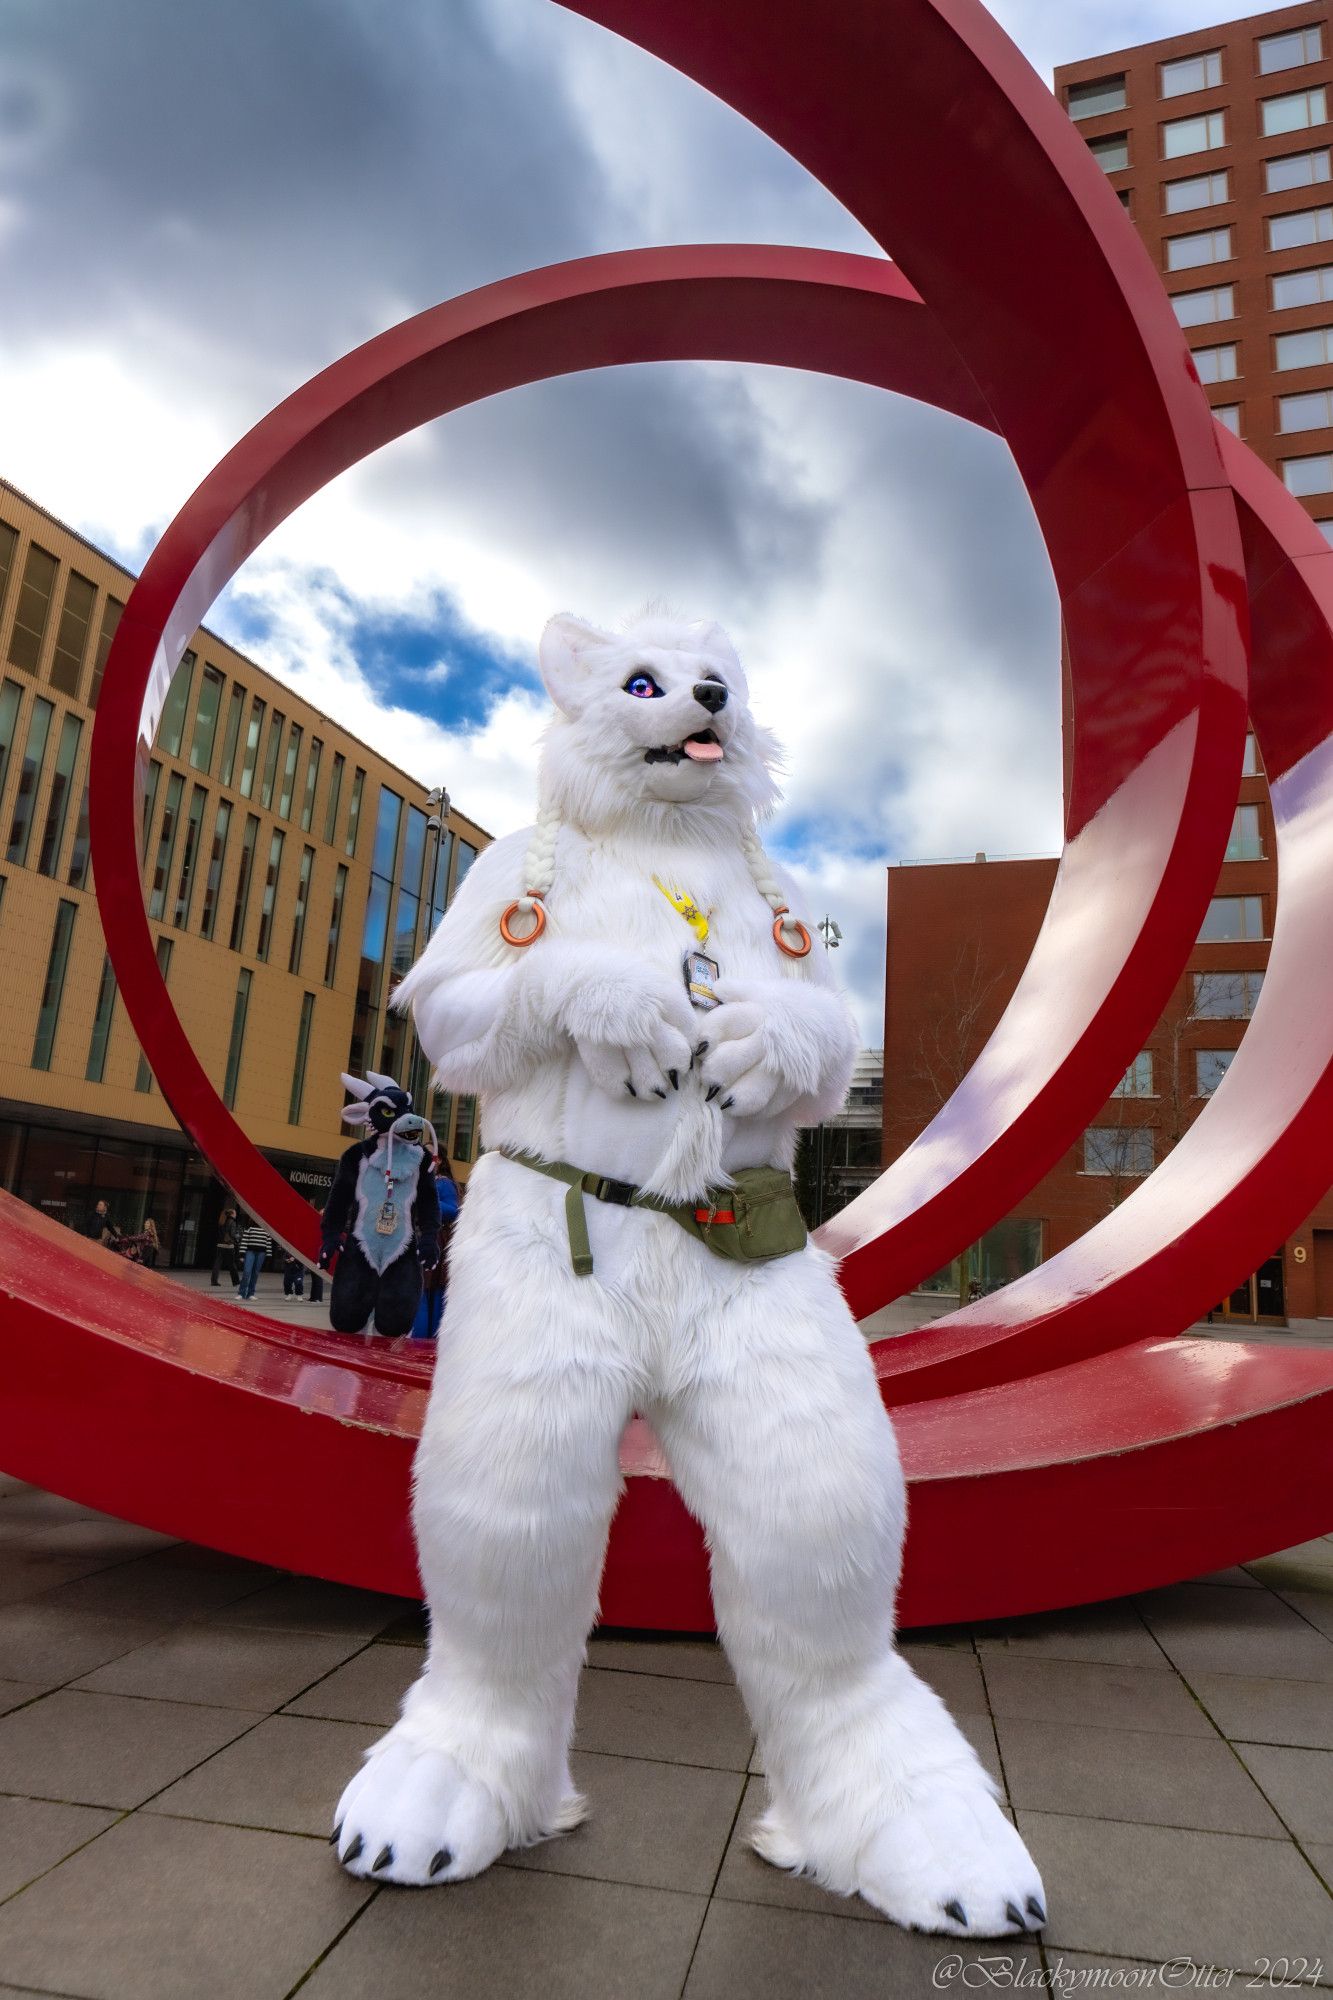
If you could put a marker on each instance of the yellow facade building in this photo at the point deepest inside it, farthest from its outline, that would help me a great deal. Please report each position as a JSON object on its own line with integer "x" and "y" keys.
{"x": 290, "y": 874}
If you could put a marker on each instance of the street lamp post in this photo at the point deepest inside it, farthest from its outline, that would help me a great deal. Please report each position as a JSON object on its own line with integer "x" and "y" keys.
{"x": 832, "y": 937}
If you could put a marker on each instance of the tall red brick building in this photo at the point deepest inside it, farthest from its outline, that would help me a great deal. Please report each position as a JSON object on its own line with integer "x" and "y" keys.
{"x": 1219, "y": 144}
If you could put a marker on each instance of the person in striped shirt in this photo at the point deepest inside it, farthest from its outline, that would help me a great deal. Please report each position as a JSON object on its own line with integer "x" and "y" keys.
{"x": 256, "y": 1248}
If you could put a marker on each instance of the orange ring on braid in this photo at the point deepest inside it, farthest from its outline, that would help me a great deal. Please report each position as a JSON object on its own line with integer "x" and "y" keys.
{"x": 537, "y": 911}
{"x": 781, "y": 922}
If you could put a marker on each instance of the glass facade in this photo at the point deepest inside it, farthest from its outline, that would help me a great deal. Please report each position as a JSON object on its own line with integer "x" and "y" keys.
{"x": 231, "y": 734}
{"x": 194, "y": 827}
{"x": 299, "y": 914}
{"x": 32, "y": 612}
{"x": 81, "y": 849}
{"x": 48, "y": 1014}
{"x": 270, "y": 897}
{"x": 335, "y": 925}
{"x": 272, "y": 752}
{"x": 171, "y": 728}
{"x": 374, "y": 936}
{"x": 354, "y": 810}
{"x": 294, "y": 735}
{"x": 206, "y": 720}
{"x": 57, "y": 803}
{"x": 166, "y": 845}
{"x": 243, "y": 880}
{"x": 30, "y": 773}
{"x": 217, "y": 859}
{"x": 251, "y": 753}
{"x": 311, "y": 783}
{"x": 111, "y": 611}
{"x": 71, "y": 645}
{"x": 103, "y": 1015}
{"x": 11, "y": 694}
{"x": 298, "y": 1066}
{"x": 335, "y": 798}
{"x": 236, "y": 1045}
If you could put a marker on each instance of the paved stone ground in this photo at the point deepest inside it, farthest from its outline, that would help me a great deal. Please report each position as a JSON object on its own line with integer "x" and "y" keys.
{"x": 175, "y": 1727}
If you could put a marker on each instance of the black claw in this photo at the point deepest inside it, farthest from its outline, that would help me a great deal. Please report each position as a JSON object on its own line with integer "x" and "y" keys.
{"x": 630, "y": 1088}
{"x": 384, "y": 1859}
{"x": 957, "y": 1912}
{"x": 1014, "y": 1916}
{"x": 727, "y": 1103}
{"x": 658, "y": 1092}
{"x": 1035, "y": 1910}
{"x": 712, "y": 1091}
{"x": 335, "y": 1836}
{"x": 440, "y": 1860}
{"x": 353, "y": 1850}
{"x": 674, "y": 1079}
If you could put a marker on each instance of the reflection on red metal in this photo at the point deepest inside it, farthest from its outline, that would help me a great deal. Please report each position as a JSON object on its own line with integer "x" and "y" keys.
{"x": 1054, "y": 1455}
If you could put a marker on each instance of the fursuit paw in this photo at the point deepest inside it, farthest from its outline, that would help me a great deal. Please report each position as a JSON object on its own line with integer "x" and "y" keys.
{"x": 739, "y": 1069}
{"x": 412, "y": 1816}
{"x": 648, "y": 1068}
{"x": 953, "y": 1863}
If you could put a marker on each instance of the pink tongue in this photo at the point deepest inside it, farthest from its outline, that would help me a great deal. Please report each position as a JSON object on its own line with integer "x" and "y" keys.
{"x": 702, "y": 753}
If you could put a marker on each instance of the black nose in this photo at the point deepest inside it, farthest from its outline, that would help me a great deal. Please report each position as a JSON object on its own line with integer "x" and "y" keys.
{"x": 710, "y": 695}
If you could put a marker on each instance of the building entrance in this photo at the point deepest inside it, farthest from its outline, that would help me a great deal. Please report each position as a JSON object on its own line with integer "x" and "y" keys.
{"x": 1261, "y": 1298}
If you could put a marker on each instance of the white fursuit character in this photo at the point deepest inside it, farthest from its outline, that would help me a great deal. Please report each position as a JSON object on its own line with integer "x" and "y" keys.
{"x": 586, "y": 1049}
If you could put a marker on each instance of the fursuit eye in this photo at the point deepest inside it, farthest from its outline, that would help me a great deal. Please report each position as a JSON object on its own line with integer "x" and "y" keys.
{"x": 642, "y": 685}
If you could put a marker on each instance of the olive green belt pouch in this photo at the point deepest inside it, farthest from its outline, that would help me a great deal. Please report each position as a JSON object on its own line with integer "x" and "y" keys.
{"x": 753, "y": 1219}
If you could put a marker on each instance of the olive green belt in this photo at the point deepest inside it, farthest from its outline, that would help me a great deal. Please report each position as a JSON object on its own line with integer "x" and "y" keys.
{"x": 753, "y": 1218}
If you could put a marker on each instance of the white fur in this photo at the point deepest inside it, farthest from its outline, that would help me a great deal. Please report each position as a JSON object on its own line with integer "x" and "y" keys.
{"x": 755, "y": 1377}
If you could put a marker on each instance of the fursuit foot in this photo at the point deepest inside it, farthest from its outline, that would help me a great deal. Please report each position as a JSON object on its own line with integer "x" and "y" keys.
{"x": 413, "y": 1816}
{"x": 950, "y": 1862}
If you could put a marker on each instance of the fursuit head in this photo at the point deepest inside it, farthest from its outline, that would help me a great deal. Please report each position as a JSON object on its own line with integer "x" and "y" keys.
{"x": 630, "y": 990}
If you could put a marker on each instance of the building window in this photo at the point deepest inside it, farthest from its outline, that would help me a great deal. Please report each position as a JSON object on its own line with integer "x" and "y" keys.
{"x": 1228, "y": 414}
{"x": 251, "y": 754}
{"x": 1310, "y": 348}
{"x": 467, "y": 854}
{"x": 302, "y": 1051}
{"x": 271, "y": 755}
{"x": 9, "y": 541}
{"x": 1120, "y": 1151}
{"x": 1198, "y": 191}
{"x": 270, "y": 895}
{"x": 1290, "y": 50}
{"x": 194, "y": 826}
{"x": 243, "y": 880}
{"x": 1189, "y": 73}
{"x": 171, "y": 728}
{"x": 1137, "y": 1080}
{"x": 48, "y": 1013}
{"x": 438, "y": 893}
{"x": 1303, "y": 288}
{"x": 335, "y": 924}
{"x": 1210, "y": 1066}
{"x": 465, "y": 1127}
{"x": 334, "y": 799}
{"x": 375, "y": 934}
{"x": 1293, "y": 112}
{"x": 1226, "y": 996}
{"x": 79, "y": 852}
{"x": 1202, "y": 246}
{"x": 151, "y": 782}
{"x": 30, "y": 776}
{"x": 311, "y": 783}
{"x": 57, "y": 804}
{"x": 406, "y": 924}
{"x": 71, "y": 645}
{"x": 1312, "y": 411}
{"x": 1232, "y": 917}
{"x": 231, "y": 734}
{"x": 1111, "y": 153}
{"x": 1308, "y": 475}
{"x": 1246, "y": 842}
{"x": 294, "y": 736}
{"x": 216, "y": 862}
{"x": 1296, "y": 170}
{"x": 388, "y": 821}
{"x": 166, "y": 846}
{"x": 206, "y": 719}
{"x": 1302, "y": 226}
{"x": 11, "y": 693}
{"x": 237, "y": 1042}
{"x": 1216, "y": 364}
{"x": 1091, "y": 100}
{"x": 354, "y": 810}
{"x": 111, "y": 611}
{"x": 33, "y": 610}
{"x": 143, "y": 1076}
{"x": 1250, "y": 762}
{"x": 1326, "y": 530}
{"x": 298, "y": 916}
{"x": 1194, "y": 135}
{"x": 1200, "y": 308}
{"x": 102, "y": 1018}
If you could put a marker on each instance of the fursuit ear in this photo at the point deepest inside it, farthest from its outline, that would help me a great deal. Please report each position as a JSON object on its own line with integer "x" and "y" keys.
{"x": 714, "y": 644}
{"x": 354, "y": 1086}
{"x": 356, "y": 1114}
{"x": 562, "y": 655}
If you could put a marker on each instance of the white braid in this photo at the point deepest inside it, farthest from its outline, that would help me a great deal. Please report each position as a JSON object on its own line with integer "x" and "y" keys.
{"x": 539, "y": 863}
{"x": 766, "y": 882}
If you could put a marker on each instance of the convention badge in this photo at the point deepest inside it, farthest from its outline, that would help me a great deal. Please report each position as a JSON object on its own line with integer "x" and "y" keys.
{"x": 387, "y": 1219}
{"x": 700, "y": 973}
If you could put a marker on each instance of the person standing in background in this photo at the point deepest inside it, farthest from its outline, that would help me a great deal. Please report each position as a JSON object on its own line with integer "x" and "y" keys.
{"x": 100, "y": 1226}
{"x": 225, "y": 1251}
{"x": 256, "y": 1248}
{"x": 316, "y": 1275}
{"x": 152, "y": 1243}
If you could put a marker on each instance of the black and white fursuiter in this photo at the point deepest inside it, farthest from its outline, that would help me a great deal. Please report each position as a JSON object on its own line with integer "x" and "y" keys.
{"x": 584, "y": 1048}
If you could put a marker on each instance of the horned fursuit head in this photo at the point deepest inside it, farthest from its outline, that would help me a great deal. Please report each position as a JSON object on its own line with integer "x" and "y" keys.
{"x": 585, "y": 1049}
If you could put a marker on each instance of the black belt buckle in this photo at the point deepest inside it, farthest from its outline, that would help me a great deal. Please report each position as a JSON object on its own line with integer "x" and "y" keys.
{"x": 621, "y": 1193}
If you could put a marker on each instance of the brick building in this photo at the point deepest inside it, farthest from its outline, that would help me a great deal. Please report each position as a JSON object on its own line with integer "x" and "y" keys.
{"x": 1220, "y": 146}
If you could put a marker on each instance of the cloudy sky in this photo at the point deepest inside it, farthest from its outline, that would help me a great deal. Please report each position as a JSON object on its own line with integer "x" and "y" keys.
{"x": 201, "y": 204}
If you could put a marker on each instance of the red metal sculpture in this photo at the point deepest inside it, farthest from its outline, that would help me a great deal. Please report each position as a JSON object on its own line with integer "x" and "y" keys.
{"x": 1043, "y": 1420}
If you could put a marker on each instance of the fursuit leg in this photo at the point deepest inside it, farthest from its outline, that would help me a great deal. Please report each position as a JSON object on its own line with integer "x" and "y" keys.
{"x": 517, "y": 1477}
{"x": 781, "y": 1446}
